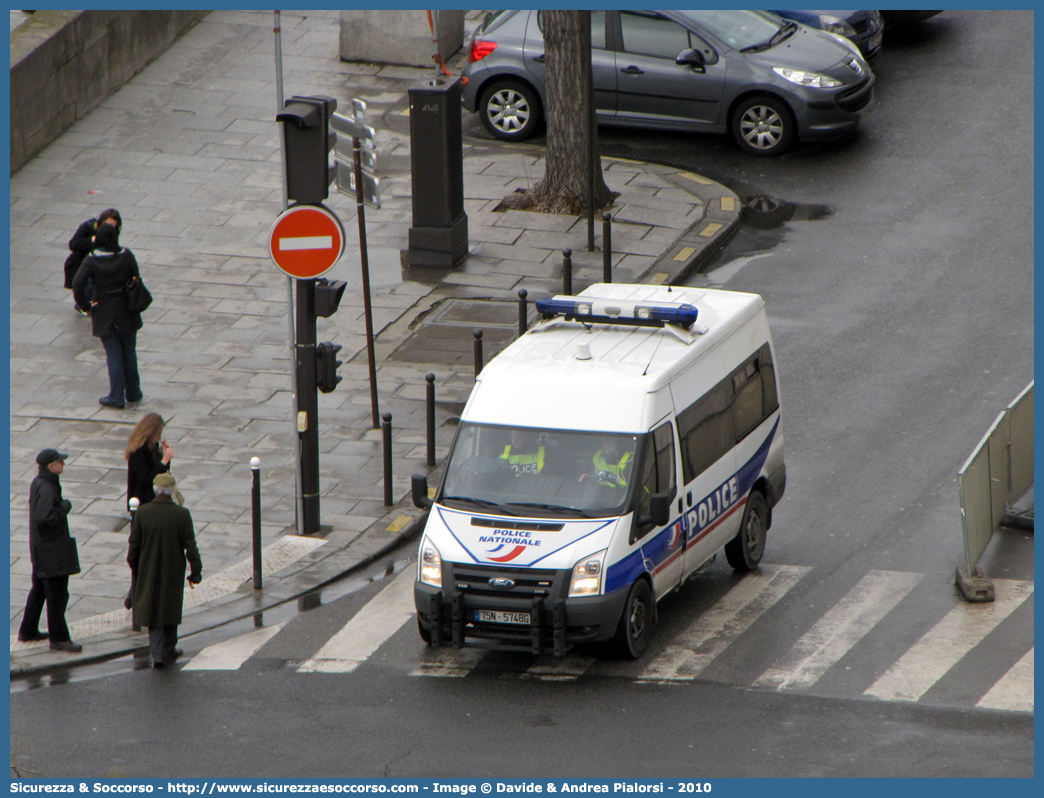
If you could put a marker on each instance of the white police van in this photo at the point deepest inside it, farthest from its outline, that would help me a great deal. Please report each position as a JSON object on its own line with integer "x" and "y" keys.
{"x": 601, "y": 459}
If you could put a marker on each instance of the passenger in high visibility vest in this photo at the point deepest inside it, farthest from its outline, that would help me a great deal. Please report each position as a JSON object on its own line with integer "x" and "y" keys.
{"x": 610, "y": 467}
{"x": 524, "y": 456}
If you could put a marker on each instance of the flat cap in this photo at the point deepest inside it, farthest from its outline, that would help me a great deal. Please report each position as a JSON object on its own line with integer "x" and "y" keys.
{"x": 48, "y": 456}
{"x": 164, "y": 481}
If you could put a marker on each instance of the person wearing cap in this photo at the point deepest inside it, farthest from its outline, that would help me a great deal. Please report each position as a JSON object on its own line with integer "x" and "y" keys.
{"x": 49, "y": 549}
{"x": 161, "y": 541}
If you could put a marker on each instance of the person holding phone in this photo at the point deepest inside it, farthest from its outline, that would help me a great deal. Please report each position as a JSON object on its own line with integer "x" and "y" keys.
{"x": 147, "y": 454}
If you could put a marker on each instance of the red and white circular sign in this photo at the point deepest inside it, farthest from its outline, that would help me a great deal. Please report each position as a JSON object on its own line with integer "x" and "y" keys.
{"x": 306, "y": 241}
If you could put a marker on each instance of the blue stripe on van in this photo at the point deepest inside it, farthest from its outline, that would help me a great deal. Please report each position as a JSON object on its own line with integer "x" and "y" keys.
{"x": 687, "y": 530}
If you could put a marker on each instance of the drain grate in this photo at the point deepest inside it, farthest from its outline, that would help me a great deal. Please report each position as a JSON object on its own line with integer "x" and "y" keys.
{"x": 446, "y": 337}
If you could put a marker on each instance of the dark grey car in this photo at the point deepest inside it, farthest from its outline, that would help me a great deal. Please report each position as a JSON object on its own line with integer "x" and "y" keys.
{"x": 766, "y": 81}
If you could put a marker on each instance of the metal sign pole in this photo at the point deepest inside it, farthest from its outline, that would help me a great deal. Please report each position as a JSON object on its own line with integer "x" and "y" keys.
{"x": 364, "y": 258}
{"x": 299, "y": 502}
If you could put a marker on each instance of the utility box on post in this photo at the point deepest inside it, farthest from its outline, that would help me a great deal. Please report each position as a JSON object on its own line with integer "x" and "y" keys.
{"x": 439, "y": 235}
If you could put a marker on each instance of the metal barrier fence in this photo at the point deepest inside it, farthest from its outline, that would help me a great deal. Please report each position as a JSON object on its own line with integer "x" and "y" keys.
{"x": 997, "y": 474}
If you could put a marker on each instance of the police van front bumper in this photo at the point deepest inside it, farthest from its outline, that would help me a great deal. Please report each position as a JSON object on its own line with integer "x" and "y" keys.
{"x": 520, "y": 609}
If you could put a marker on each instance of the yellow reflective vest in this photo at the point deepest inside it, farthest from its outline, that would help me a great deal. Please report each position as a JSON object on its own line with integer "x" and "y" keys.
{"x": 608, "y": 474}
{"x": 524, "y": 463}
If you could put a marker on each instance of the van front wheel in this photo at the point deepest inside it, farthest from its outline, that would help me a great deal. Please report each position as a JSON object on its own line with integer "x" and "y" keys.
{"x": 636, "y": 623}
{"x": 744, "y": 551}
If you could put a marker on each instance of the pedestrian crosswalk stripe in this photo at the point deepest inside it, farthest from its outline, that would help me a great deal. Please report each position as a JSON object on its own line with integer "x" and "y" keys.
{"x": 715, "y": 630}
{"x": 229, "y": 655}
{"x": 1014, "y": 691}
{"x": 945, "y": 644}
{"x": 844, "y": 625}
{"x": 448, "y": 662}
{"x": 368, "y": 629}
{"x": 559, "y": 669}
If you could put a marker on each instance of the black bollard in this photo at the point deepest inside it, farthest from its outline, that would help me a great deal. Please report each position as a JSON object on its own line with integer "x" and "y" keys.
{"x": 133, "y": 504}
{"x": 478, "y": 352}
{"x": 567, "y": 272}
{"x": 255, "y": 467}
{"x": 388, "y": 499}
{"x": 430, "y": 397}
{"x": 523, "y": 312}
{"x": 607, "y": 248}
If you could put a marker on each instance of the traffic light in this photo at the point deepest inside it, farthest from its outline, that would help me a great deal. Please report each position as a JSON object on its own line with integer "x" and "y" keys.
{"x": 326, "y": 363}
{"x": 306, "y": 128}
{"x": 328, "y": 296}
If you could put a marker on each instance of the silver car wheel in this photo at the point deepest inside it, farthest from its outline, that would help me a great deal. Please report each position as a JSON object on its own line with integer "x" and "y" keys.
{"x": 761, "y": 127}
{"x": 508, "y": 110}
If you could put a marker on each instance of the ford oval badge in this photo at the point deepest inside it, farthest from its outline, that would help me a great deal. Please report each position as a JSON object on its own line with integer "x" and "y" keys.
{"x": 499, "y": 581}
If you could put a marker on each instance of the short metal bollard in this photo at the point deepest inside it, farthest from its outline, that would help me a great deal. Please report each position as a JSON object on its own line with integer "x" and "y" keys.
{"x": 478, "y": 352}
{"x": 607, "y": 247}
{"x": 388, "y": 499}
{"x": 430, "y": 402}
{"x": 255, "y": 468}
{"x": 133, "y": 504}
{"x": 523, "y": 312}
{"x": 567, "y": 272}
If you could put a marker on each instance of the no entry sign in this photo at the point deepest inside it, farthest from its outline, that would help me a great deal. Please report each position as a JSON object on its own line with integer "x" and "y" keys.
{"x": 306, "y": 241}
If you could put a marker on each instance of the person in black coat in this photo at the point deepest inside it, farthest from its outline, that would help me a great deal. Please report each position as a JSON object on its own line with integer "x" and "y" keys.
{"x": 80, "y": 246}
{"x": 147, "y": 455}
{"x": 110, "y": 267}
{"x": 48, "y": 524}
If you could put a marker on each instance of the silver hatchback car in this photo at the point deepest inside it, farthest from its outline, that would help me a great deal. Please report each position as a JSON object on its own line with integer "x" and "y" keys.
{"x": 765, "y": 80}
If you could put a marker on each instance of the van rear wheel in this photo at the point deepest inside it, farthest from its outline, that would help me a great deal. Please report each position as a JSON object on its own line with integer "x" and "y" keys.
{"x": 636, "y": 623}
{"x": 744, "y": 551}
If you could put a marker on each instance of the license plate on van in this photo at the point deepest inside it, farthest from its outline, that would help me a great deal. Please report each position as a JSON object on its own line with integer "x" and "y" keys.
{"x": 498, "y": 616}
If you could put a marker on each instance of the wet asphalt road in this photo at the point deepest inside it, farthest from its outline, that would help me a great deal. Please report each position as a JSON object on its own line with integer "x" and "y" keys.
{"x": 900, "y": 288}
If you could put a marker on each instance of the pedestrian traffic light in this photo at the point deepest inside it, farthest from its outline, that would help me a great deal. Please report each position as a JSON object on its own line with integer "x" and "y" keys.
{"x": 328, "y": 296}
{"x": 326, "y": 363}
{"x": 306, "y": 129}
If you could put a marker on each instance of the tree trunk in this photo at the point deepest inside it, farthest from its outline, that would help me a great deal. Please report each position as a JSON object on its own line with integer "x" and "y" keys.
{"x": 570, "y": 118}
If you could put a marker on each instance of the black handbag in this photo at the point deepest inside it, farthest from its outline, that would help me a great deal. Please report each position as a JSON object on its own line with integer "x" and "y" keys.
{"x": 138, "y": 296}
{"x": 59, "y": 558}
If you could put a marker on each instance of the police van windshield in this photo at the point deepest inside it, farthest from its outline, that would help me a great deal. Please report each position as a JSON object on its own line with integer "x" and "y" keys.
{"x": 526, "y": 471}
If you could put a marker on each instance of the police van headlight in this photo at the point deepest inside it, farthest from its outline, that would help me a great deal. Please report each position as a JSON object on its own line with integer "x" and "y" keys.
{"x": 430, "y": 564}
{"x": 587, "y": 576}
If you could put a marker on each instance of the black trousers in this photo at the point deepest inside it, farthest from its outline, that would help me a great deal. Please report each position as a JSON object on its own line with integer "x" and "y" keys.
{"x": 54, "y": 591}
{"x": 162, "y": 641}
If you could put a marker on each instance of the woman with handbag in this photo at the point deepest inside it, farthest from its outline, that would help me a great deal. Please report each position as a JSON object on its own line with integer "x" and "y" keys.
{"x": 110, "y": 268}
{"x": 147, "y": 454}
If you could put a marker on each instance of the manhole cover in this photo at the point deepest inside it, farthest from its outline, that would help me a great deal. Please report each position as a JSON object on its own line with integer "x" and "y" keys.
{"x": 447, "y": 336}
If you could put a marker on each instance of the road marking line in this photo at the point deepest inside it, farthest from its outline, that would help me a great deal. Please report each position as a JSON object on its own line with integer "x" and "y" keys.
{"x": 728, "y": 203}
{"x": 946, "y": 643}
{"x": 658, "y": 278}
{"x": 715, "y": 630}
{"x": 305, "y": 242}
{"x": 1014, "y": 691}
{"x": 559, "y": 669}
{"x": 844, "y": 625}
{"x": 684, "y": 253}
{"x": 696, "y": 178}
{"x": 448, "y": 662}
{"x": 368, "y": 629}
{"x": 710, "y": 229}
{"x": 229, "y": 655}
{"x": 399, "y": 523}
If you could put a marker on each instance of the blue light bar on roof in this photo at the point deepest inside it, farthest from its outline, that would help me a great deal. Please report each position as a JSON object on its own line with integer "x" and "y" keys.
{"x": 614, "y": 311}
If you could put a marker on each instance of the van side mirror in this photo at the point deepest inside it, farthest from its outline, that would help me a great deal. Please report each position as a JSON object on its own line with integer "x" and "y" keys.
{"x": 659, "y": 512}
{"x": 693, "y": 58}
{"x": 419, "y": 490}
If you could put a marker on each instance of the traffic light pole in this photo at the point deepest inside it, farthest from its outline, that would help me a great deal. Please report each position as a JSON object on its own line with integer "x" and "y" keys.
{"x": 307, "y": 406}
{"x": 368, "y": 310}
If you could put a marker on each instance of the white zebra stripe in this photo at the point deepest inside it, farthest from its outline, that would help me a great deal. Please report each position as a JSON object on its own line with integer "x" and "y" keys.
{"x": 229, "y": 655}
{"x": 1014, "y": 691}
{"x": 448, "y": 662}
{"x": 946, "y": 643}
{"x": 714, "y": 631}
{"x": 559, "y": 669}
{"x": 844, "y": 625}
{"x": 368, "y": 629}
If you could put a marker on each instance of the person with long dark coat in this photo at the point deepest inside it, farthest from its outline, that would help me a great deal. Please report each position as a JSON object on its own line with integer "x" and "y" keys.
{"x": 162, "y": 540}
{"x": 48, "y": 531}
{"x": 80, "y": 246}
{"x": 110, "y": 267}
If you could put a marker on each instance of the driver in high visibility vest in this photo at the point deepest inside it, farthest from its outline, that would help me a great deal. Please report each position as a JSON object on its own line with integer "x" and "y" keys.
{"x": 524, "y": 455}
{"x": 610, "y": 467}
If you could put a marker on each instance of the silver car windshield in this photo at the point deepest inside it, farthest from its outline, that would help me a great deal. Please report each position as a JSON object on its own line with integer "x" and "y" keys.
{"x": 526, "y": 471}
{"x": 738, "y": 29}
